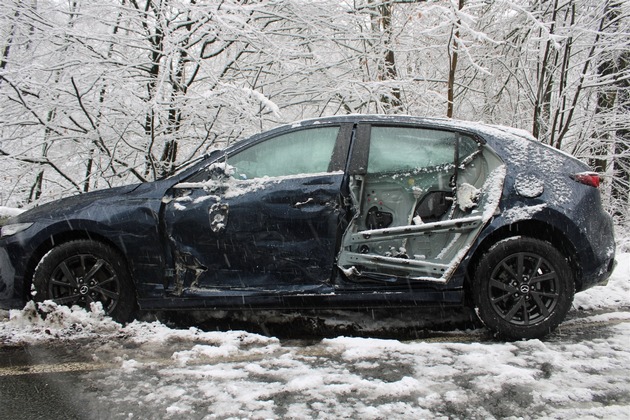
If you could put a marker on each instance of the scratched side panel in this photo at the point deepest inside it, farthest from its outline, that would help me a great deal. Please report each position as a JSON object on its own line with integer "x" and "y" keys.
{"x": 277, "y": 235}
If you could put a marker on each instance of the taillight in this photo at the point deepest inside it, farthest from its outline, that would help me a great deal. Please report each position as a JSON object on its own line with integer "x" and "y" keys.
{"x": 587, "y": 178}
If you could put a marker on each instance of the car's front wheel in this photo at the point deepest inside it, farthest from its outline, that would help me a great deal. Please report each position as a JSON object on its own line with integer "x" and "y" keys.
{"x": 83, "y": 272}
{"x": 523, "y": 288}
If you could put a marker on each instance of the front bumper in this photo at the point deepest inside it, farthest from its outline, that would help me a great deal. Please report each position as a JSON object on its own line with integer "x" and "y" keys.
{"x": 8, "y": 298}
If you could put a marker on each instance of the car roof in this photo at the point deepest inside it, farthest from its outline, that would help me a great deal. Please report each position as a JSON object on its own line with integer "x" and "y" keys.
{"x": 378, "y": 118}
{"x": 473, "y": 127}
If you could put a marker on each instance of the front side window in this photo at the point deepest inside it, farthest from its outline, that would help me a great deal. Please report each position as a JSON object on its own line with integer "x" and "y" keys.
{"x": 299, "y": 152}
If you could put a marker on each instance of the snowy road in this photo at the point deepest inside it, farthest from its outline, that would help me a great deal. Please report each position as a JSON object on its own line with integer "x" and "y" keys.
{"x": 88, "y": 367}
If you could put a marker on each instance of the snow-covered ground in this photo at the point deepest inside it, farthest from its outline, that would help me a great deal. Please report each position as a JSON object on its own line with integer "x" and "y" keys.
{"x": 149, "y": 370}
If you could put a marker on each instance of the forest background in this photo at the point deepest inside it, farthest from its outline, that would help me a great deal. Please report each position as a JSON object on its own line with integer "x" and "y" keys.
{"x": 98, "y": 93}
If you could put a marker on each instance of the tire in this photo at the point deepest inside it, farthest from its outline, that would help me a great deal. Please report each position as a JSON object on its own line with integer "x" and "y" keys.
{"x": 523, "y": 288}
{"x": 84, "y": 271}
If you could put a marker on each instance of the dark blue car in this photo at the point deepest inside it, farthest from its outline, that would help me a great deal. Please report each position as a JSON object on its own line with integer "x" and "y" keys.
{"x": 343, "y": 212}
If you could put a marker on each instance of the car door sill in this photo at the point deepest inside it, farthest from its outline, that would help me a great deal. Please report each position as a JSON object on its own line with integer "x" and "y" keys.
{"x": 339, "y": 299}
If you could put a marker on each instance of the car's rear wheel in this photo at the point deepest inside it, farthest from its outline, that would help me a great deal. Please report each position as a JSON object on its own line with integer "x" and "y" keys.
{"x": 523, "y": 288}
{"x": 84, "y": 272}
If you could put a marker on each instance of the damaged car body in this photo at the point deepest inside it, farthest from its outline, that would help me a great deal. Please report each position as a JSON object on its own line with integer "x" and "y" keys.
{"x": 340, "y": 212}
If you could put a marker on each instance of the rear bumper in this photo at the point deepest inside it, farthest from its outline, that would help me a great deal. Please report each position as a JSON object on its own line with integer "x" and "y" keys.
{"x": 598, "y": 260}
{"x": 600, "y": 278}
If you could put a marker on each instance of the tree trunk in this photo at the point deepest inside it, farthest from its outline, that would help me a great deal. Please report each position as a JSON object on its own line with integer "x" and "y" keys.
{"x": 621, "y": 157}
{"x": 545, "y": 82}
{"x": 614, "y": 102}
{"x": 453, "y": 66}
{"x": 381, "y": 22}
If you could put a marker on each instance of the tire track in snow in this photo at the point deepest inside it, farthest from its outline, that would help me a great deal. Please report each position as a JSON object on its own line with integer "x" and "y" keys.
{"x": 298, "y": 348}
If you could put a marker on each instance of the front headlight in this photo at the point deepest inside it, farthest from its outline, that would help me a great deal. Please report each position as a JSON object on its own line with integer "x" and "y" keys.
{"x": 8, "y": 230}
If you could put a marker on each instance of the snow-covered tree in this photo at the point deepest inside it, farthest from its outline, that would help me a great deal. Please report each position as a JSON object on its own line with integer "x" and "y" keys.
{"x": 102, "y": 92}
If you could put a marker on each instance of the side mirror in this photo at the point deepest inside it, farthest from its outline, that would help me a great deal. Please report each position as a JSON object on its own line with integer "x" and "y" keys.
{"x": 219, "y": 171}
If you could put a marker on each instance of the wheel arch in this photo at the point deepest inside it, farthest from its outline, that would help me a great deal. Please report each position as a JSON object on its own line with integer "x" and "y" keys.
{"x": 60, "y": 238}
{"x": 531, "y": 228}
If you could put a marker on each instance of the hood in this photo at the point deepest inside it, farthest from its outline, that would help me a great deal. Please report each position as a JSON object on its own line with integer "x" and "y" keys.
{"x": 69, "y": 205}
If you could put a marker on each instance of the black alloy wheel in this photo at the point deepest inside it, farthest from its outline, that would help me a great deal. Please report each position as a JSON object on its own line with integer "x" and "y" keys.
{"x": 85, "y": 272}
{"x": 523, "y": 288}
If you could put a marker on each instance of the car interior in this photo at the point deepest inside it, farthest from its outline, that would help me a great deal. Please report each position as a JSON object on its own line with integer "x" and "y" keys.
{"x": 418, "y": 204}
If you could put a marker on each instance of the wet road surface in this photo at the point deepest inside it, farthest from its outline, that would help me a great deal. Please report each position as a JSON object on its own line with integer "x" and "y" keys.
{"x": 70, "y": 379}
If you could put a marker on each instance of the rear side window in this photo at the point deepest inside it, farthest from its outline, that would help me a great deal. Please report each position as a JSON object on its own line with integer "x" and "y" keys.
{"x": 299, "y": 152}
{"x": 401, "y": 149}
